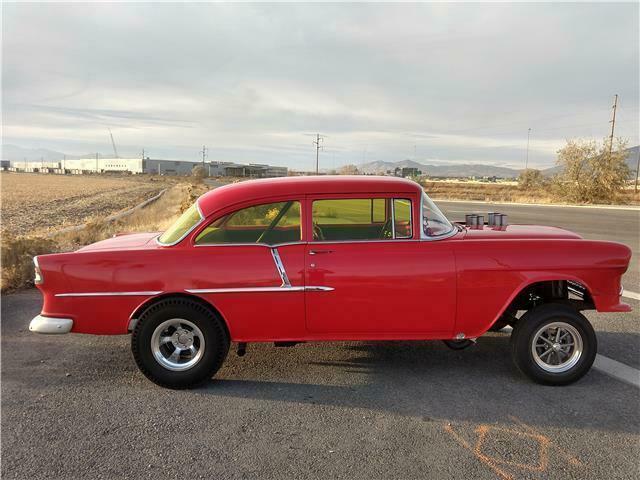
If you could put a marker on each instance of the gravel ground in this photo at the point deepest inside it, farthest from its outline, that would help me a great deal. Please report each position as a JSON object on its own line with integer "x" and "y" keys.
{"x": 75, "y": 406}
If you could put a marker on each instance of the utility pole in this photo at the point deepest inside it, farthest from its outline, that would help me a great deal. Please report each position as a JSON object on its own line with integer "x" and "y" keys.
{"x": 637, "y": 171}
{"x": 613, "y": 122}
{"x": 96, "y": 162}
{"x": 64, "y": 161}
{"x": 204, "y": 153}
{"x": 318, "y": 143}
{"x": 526, "y": 161}
{"x": 143, "y": 154}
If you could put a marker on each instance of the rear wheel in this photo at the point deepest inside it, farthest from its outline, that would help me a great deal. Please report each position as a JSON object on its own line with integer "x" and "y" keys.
{"x": 553, "y": 344}
{"x": 179, "y": 343}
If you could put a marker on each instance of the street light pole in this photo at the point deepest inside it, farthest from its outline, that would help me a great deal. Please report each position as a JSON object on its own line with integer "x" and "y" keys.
{"x": 526, "y": 161}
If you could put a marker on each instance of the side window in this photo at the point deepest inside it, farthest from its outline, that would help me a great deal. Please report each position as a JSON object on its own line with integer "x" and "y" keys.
{"x": 360, "y": 219}
{"x": 271, "y": 223}
{"x": 402, "y": 218}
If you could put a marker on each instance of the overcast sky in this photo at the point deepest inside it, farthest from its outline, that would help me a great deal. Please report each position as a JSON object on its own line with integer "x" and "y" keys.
{"x": 438, "y": 83}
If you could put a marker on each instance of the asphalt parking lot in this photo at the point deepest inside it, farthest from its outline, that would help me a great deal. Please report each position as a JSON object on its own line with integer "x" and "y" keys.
{"x": 75, "y": 406}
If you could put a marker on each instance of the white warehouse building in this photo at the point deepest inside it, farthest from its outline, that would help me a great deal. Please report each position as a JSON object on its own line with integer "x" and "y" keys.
{"x": 169, "y": 167}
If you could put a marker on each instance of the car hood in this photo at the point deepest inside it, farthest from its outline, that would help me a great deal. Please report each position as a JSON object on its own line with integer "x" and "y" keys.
{"x": 519, "y": 231}
{"x": 124, "y": 241}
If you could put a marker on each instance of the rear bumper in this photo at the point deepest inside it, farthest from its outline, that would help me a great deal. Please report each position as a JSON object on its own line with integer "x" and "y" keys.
{"x": 50, "y": 325}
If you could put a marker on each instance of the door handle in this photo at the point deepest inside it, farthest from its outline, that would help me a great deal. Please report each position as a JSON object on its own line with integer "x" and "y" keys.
{"x": 318, "y": 252}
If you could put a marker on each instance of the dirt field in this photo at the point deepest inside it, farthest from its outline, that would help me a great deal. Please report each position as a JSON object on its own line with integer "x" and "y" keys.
{"x": 34, "y": 204}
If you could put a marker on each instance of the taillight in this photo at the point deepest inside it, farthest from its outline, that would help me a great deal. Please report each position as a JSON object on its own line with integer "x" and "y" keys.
{"x": 38, "y": 279}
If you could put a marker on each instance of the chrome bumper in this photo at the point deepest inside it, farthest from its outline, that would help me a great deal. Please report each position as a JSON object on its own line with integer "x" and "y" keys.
{"x": 50, "y": 325}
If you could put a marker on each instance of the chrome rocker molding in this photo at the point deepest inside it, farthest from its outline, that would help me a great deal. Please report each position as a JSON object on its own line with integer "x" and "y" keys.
{"x": 110, "y": 294}
{"x": 314, "y": 288}
{"x": 50, "y": 325}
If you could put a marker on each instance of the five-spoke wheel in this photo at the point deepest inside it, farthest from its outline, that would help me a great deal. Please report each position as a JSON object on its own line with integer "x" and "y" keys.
{"x": 553, "y": 344}
{"x": 179, "y": 343}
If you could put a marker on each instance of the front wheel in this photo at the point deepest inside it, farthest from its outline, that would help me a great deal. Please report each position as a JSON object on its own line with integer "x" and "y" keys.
{"x": 179, "y": 343}
{"x": 553, "y": 344}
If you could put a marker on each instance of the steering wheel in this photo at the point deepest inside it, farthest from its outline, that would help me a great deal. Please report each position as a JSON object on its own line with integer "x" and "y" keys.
{"x": 317, "y": 232}
{"x": 386, "y": 231}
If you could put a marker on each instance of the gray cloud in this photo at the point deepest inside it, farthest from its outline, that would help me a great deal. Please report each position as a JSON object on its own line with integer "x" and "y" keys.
{"x": 460, "y": 82}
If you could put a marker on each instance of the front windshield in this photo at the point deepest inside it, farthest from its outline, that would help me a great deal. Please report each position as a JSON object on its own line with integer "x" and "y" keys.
{"x": 181, "y": 227}
{"x": 434, "y": 223}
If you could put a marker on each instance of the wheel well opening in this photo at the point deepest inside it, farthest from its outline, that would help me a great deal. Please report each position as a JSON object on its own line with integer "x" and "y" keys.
{"x": 566, "y": 292}
{"x": 152, "y": 301}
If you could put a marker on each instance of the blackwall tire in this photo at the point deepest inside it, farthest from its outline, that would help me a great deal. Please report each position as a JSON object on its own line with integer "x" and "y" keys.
{"x": 553, "y": 344}
{"x": 179, "y": 343}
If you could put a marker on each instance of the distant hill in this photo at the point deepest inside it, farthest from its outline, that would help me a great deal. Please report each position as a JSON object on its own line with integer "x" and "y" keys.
{"x": 631, "y": 161}
{"x": 19, "y": 154}
{"x": 453, "y": 170}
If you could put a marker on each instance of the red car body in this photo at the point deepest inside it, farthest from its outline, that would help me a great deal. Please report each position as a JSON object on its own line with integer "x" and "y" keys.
{"x": 398, "y": 289}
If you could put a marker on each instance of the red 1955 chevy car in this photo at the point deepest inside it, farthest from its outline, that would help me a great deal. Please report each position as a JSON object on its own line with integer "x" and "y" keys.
{"x": 328, "y": 259}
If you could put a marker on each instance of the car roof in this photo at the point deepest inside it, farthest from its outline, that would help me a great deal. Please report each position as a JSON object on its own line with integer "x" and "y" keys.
{"x": 249, "y": 190}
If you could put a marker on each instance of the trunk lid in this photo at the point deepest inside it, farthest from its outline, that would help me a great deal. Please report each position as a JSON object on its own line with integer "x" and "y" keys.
{"x": 124, "y": 242}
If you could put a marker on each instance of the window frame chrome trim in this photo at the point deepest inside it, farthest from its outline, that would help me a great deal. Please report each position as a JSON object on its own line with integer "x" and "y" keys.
{"x": 186, "y": 234}
{"x": 393, "y": 238}
{"x": 275, "y": 245}
{"x": 111, "y": 294}
{"x": 393, "y": 218}
{"x": 272, "y": 245}
{"x": 393, "y": 215}
{"x": 423, "y": 236}
{"x": 280, "y": 268}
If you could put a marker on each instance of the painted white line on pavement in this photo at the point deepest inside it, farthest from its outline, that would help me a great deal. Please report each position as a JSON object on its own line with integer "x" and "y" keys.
{"x": 610, "y": 367}
{"x": 634, "y": 295}
{"x": 632, "y": 208}
{"x": 617, "y": 370}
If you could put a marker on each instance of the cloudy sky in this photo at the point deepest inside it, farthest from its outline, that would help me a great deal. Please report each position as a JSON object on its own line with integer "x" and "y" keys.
{"x": 439, "y": 83}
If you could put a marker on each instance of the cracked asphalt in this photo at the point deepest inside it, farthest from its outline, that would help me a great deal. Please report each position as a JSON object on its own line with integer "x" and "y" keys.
{"x": 75, "y": 406}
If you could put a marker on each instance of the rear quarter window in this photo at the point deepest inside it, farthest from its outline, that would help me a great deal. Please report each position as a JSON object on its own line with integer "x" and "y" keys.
{"x": 189, "y": 219}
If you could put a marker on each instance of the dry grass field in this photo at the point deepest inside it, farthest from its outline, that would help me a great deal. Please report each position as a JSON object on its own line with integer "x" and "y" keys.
{"x": 35, "y": 208}
{"x": 33, "y": 204}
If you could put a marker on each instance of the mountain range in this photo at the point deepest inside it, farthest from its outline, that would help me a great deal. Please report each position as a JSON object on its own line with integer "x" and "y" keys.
{"x": 474, "y": 169}
{"x": 20, "y": 154}
{"x": 450, "y": 170}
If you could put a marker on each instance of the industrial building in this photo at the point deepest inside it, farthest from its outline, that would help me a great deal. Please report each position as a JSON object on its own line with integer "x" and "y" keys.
{"x": 150, "y": 166}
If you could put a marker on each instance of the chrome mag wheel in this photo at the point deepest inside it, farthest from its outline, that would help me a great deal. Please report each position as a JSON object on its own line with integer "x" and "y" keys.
{"x": 177, "y": 344}
{"x": 557, "y": 347}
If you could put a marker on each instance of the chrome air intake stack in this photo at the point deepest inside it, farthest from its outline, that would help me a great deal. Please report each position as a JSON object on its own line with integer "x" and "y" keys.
{"x": 498, "y": 219}
{"x": 473, "y": 220}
